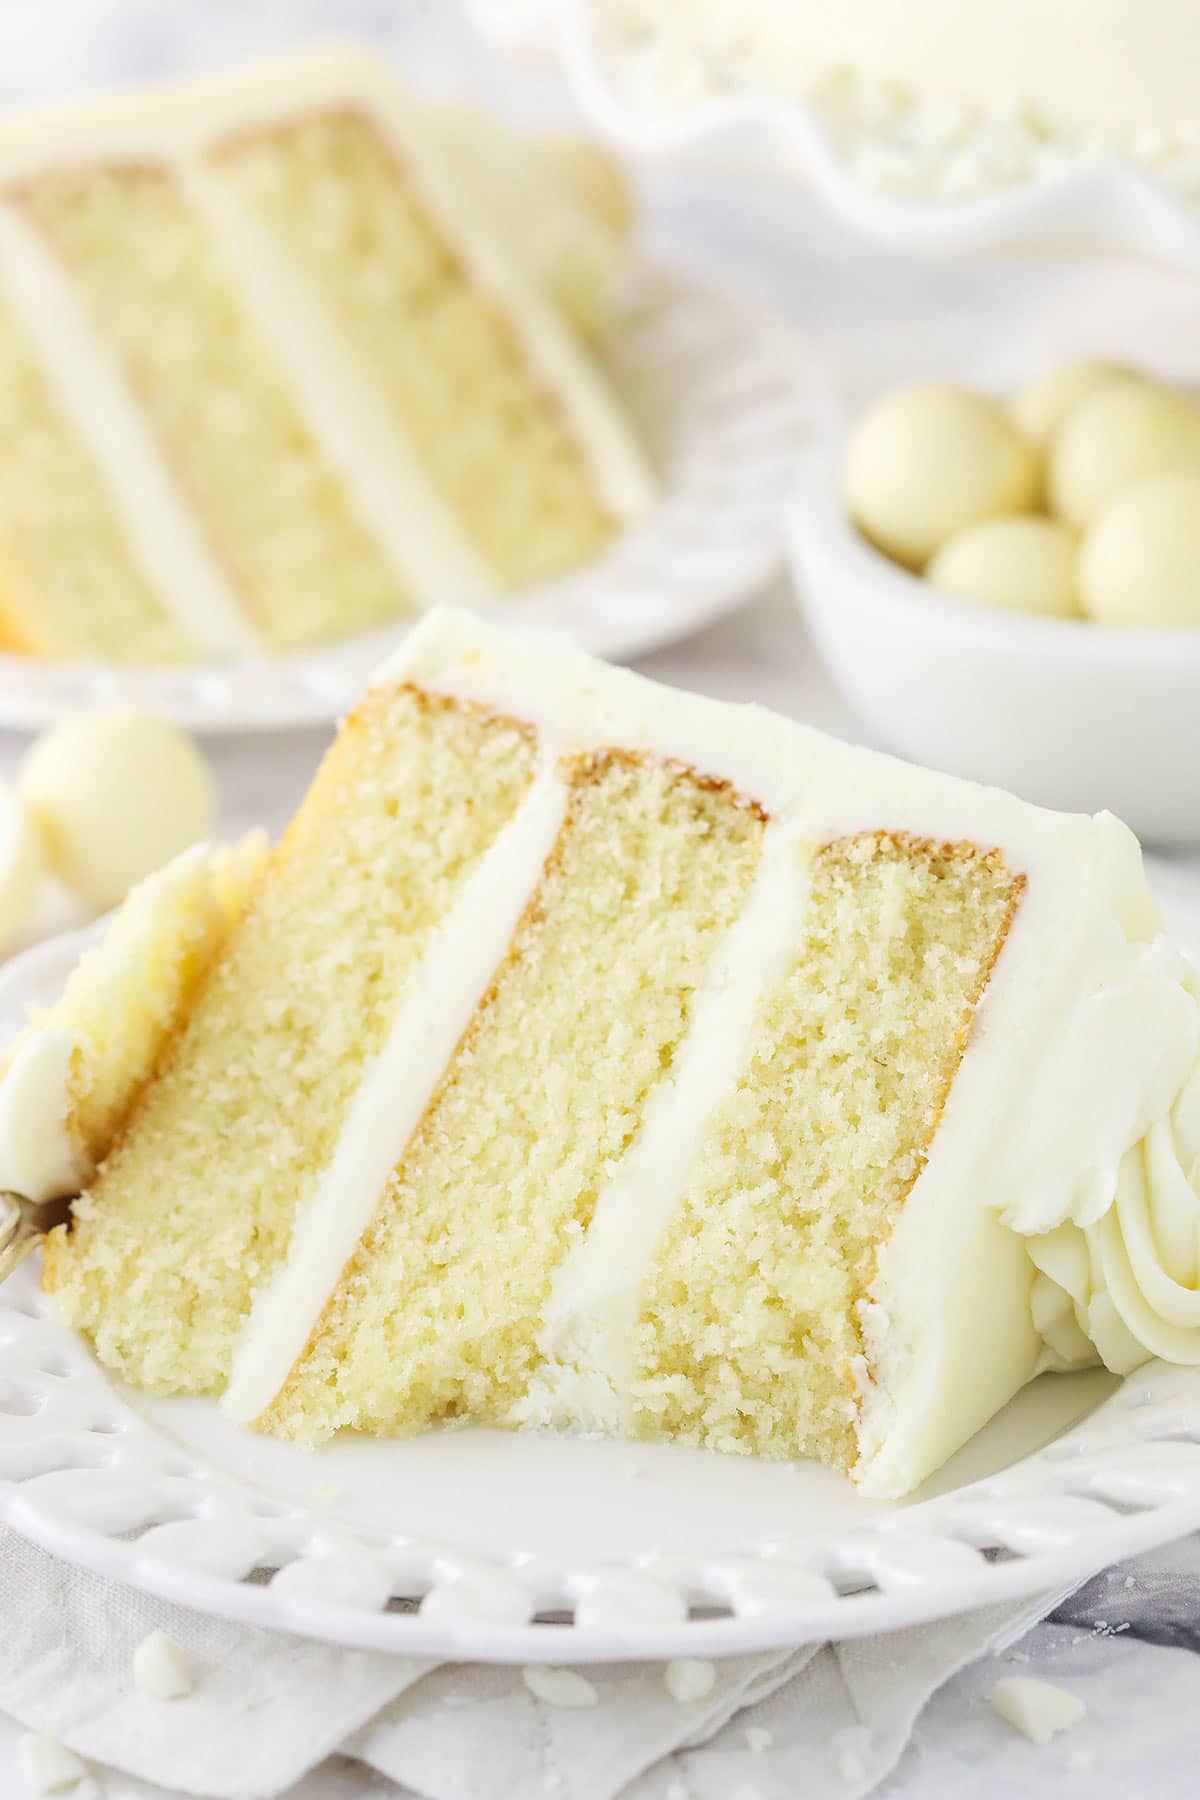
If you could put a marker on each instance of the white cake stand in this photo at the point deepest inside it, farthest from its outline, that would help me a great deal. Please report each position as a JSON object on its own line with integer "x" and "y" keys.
{"x": 1088, "y": 206}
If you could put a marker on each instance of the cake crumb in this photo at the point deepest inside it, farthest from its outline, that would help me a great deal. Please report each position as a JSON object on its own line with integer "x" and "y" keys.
{"x": 159, "y": 1669}
{"x": 1038, "y": 1709}
{"x": 49, "y": 1767}
{"x": 559, "y": 1687}
{"x": 324, "y": 1493}
{"x": 1130, "y": 1582}
{"x": 631, "y": 1472}
{"x": 688, "y": 1679}
{"x": 759, "y": 1738}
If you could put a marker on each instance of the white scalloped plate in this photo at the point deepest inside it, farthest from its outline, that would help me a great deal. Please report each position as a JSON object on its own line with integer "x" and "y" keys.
{"x": 721, "y": 397}
{"x": 504, "y": 1547}
{"x": 1094, "y": 205}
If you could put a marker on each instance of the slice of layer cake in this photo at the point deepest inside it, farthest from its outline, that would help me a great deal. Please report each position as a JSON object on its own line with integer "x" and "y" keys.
{"x": 279, "y": 365}
{"x": 595, "y": 1055}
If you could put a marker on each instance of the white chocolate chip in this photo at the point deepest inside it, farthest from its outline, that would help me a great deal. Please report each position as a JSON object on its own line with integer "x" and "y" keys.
{"x": 758, "y": 1738}
{"x": 49, "y": 1766}
{"x": 159, "y": 1669}
{"x": 1038, "y": 1709}
{"x": 559, "y": 1687}
{"x": 688, "y": 1679}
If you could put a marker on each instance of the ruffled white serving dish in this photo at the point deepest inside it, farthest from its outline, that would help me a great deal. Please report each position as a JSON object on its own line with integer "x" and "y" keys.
{"x": 722, "y": 398}
{"x": 1075, "y": 202}
{"x": 525, "y": 1547}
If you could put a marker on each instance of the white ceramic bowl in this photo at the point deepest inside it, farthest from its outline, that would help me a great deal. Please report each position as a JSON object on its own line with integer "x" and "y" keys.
{"x": 1068, "y": 714}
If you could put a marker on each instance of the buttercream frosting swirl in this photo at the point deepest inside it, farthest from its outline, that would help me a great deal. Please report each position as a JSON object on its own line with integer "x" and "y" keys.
{"x": 1123, "y": 1284}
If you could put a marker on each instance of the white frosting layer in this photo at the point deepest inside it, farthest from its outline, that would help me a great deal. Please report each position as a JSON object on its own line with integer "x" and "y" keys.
{"x": 38, "y": 1156}
{"x": 401, "y": 508}
{"x": 587, "y": 1379}
{"x": 91, "y": 394}
{"x": 434, "y": 1011}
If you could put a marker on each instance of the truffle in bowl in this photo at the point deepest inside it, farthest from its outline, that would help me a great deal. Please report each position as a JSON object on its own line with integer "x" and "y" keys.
{"x": 1068, "y": 711}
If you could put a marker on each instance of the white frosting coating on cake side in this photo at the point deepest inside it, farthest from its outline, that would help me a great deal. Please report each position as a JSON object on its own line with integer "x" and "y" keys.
{"x": 92, "y": 395}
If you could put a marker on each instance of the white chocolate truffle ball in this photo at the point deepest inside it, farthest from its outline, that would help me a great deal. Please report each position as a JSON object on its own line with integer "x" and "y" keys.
{"x": 115, "y": 796}
{"x": 22, "y": 865}
{"x": 1042, "y": 406}
{"x": 1127, "y": 431}
{"x": 1140, "y": 562}
{"x": 1016, "y": 565}
{"x": 926, "y": 461}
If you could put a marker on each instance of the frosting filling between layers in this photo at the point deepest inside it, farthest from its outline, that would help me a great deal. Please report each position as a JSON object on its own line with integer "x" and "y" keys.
{"x": 586, "y": 1380}
{"x": 401, "y": 508}
{"x": 445, "y": 989}
{"x": 186, "y": 576}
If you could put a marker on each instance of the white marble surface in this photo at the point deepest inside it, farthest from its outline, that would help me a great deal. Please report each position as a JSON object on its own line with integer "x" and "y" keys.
{"x": 1130, "y": 1645}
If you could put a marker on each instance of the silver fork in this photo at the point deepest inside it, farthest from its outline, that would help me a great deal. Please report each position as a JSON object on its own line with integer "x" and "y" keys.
{"x": 23, "y": 1226}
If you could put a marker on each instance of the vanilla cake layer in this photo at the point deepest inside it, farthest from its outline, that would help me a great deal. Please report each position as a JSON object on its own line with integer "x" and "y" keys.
{"x": 491, "y": 439}
{"x": 282, "y": 524}
{"x": 702, "y": 1077}
{"x": 326, "y": 380}
{"x": 70, "y": 581}
{"x": 248, "y": 1103}
{"x": 748, "y": 1325}
{"x": 438, "y": 1313}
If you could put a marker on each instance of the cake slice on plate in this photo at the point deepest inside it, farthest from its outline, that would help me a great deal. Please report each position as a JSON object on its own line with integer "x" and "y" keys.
{"x": 288, "y": 354}
{"x": 595, "y": 1055}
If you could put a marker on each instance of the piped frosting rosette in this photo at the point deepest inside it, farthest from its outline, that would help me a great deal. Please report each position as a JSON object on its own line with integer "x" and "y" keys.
{"x": 1122, "y": 1283}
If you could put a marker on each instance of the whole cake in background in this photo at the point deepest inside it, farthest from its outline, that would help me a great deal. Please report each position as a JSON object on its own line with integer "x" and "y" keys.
{"x": 939, "y": 98}
{"x": 870, "y": 1093}
{"x": 288, "y": 354}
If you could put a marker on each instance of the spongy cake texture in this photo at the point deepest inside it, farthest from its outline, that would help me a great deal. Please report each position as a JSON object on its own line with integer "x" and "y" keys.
{"x": 437, "y": 1317}
{"x": 278, "y": 1037}
{"x": 749, "y": 1334}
